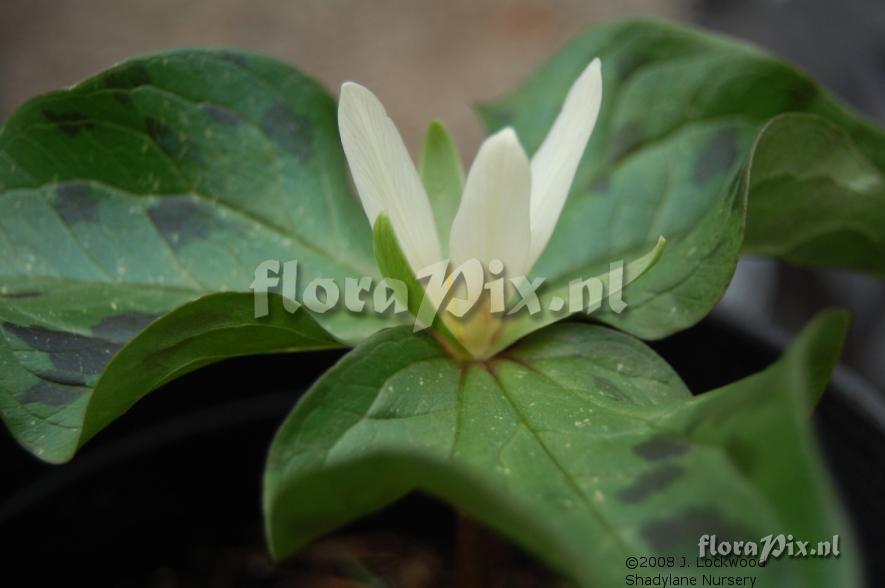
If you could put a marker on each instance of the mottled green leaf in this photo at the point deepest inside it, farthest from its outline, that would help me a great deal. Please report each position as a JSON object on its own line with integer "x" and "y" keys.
{"x": 681, "y": 110}
{"x": 815, "y": 199}
{"x": 580, "y": 444}
{"x": 66, "y": 398}
{"x": 158, "y": 182}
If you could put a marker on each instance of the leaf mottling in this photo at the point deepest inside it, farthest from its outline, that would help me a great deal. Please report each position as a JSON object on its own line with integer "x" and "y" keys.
{"x": 289, "y": 131}
{"x": 220, "y": 114}
{"x": 650, "y": 483}
{"x": 675, "y": 532}
{"x": 68, "y": 352}
{"x": 661, "y": 447}
{"x": 70, "y": 123}
{"x": 51, "y": 393}
{"x": 167, "y": 138}
{"x": 718, "y": 155}
{"x": 123, "y": 326}
{"x": 179, "y": 220}
{"x": 76, "y": 203}
{"x": 127, "y": 76}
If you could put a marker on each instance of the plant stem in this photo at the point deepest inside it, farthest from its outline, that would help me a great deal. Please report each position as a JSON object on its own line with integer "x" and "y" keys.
{"x": 469, "y": 570}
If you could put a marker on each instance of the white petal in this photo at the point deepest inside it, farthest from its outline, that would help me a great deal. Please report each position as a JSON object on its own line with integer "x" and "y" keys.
{"x": 556, "y": 161}
{"x": 493, "y": 219}
{"x": 385, "y": 175}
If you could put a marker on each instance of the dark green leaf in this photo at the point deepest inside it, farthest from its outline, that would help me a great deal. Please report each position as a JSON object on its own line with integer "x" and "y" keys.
{"x": 580, "y": 444}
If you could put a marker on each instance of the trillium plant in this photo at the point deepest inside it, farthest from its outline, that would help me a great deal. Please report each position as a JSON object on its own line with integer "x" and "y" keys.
{"x": 138, "y": 204}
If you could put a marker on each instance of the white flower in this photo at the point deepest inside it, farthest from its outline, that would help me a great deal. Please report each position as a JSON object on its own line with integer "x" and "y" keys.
{"x": 510, "y": 204}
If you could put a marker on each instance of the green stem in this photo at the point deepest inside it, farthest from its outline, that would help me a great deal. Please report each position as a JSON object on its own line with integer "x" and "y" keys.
{"x": 469, "y": 571}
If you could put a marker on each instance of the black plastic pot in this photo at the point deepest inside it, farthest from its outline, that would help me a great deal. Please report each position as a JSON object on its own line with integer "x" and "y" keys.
{"x": 170, "y": 494}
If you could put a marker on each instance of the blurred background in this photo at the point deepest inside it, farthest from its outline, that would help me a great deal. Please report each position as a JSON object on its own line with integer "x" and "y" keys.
{"x": 430, "y": 59}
